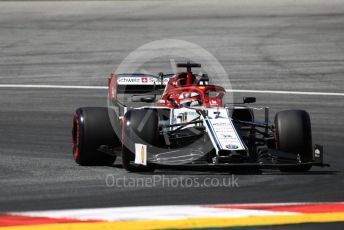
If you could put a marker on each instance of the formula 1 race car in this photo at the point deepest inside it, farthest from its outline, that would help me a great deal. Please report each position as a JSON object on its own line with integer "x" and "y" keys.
{"x": 172, "y": 120}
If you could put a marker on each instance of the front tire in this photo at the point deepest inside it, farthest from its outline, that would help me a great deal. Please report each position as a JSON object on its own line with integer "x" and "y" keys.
{"x": 139, "y": 126}
{"x": 91, "y": 129}
{"x": 293, "y": 134}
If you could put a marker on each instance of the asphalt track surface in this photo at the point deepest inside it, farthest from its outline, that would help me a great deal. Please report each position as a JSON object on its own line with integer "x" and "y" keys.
{"x": 263, "y": 45}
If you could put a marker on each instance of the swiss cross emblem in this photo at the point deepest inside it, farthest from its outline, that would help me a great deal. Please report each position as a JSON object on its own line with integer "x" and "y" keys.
{"x": 144, "y": 79}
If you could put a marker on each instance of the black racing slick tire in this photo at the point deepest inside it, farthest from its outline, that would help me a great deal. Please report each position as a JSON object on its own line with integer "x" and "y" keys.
{"x": 293, "y": 134}
{"x": 139, "y": 126}
{"x": 92, "y": 128}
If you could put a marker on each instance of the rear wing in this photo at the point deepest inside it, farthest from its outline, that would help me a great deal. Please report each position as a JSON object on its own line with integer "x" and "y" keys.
{"x": 140, "y": 83}
{"x": 123, "y": 87}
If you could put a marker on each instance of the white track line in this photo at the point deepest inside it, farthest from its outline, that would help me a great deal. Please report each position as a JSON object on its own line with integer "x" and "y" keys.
{"x": 285, "y": 92}
{"x": 227, "y": 90}
{"x": 52, "y": 86}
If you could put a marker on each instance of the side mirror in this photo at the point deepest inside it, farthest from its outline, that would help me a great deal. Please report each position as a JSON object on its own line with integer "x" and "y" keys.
{"x": 143, "y": 98}
{"x": 248, "y": 100}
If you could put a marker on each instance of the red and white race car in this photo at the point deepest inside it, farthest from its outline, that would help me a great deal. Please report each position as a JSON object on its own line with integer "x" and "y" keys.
{"x": 182, "y": 120}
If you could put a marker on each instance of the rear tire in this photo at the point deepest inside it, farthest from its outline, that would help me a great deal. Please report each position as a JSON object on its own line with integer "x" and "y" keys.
{"x": 91, "y": 129}
{"x": 135, "y": 131}
{"x": 293, "y": 134}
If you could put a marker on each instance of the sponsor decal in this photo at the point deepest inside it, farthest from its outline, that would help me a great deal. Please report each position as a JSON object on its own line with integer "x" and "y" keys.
{"x": 140, "y": 154}
{"x": 144, "y": 79}
{"x": 213, "y": 102}
{"x": 224, "y": 134}
{"x": 232, "y": 146}
{"x": 129, "y": 80}
{"x": 220, "y": 124}
{"x": 317, "y": 153}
